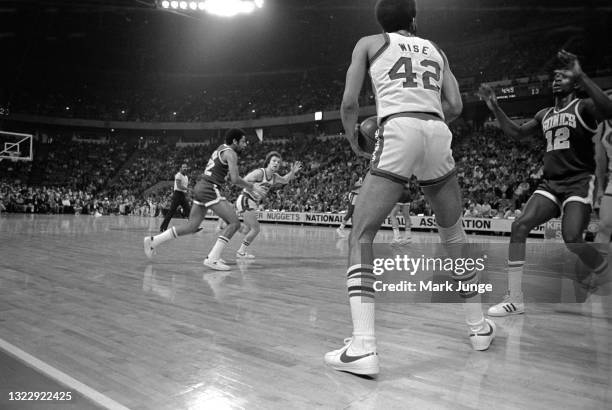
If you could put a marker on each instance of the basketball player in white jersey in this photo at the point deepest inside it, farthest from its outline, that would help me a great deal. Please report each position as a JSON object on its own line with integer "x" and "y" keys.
{"x": 416, "y": 94}
{"x": 247, "y": 204}
{"x": 603, "y": 150}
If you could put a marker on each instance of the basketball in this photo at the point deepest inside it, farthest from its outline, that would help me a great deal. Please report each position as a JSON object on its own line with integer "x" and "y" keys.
{"x": 368, "y": 131}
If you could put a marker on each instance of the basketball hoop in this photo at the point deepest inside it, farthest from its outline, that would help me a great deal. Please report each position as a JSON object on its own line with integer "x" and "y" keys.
{"x": 16, "y": 146}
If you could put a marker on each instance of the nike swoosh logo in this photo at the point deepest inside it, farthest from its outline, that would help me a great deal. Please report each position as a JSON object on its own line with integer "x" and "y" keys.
{"x": 484, "y": 334}
{"x": 344, "y": 358}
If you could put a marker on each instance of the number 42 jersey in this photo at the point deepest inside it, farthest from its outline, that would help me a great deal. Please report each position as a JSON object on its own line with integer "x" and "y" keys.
{"x": 569, "y": 142}
{"x": 407, "y": 76}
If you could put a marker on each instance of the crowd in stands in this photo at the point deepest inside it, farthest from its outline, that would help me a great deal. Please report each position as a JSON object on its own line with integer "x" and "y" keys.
{"x": 497, "y": 175}
{"x": 260, "y": 95}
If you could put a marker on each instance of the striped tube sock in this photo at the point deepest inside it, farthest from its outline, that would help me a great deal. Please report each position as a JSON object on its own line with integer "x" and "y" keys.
{"x": 165, "y": 236}
{"x": 472, "y": 306}
{"x": 515, "y": 279}
{"x": 216, "y": 251}
{"x": 244, "y": 246}
{"x": 360, "y": 284}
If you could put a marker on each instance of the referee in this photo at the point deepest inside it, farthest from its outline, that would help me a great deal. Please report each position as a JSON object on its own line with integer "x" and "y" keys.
{"x": 179, "y": 197}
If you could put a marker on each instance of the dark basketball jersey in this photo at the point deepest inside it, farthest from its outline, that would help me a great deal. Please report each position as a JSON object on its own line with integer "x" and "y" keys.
{"x": 569, "y": 142}
{"x": 216, "y": 170}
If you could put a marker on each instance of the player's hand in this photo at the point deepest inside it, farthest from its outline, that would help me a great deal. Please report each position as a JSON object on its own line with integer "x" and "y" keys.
{"x": 572, "y": 68}
{"x": 488, "y": 95}
{"x": 296, "y": 167}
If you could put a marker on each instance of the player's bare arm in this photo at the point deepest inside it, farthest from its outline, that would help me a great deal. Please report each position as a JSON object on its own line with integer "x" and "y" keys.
{"x": 598, "y": 104}
{"x": 255, "y": 175}
{"x": 601, "y": 169}
{"x": 230, "y": 157}
{"x": 451, "y": 96}
{"x": 232, "y": 164}
{"x": 509, "y": 127}
{"x": 349, "y": 110}
{"x": 285, "y": 179}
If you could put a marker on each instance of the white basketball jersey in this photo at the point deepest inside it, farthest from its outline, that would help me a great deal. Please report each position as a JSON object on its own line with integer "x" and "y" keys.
{"x": 606, "y": 140}
{"x": 265, "y": 183}
{"x": 407, "y": 76}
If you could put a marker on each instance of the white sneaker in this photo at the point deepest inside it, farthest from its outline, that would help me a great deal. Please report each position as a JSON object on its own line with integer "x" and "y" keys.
{"x": 341, "y": 233}
{"x": 507, "y": 307}
{"x": 483, "y": 339}
{"x": 216, "y": 264}
{"x": 407, "y": 240}
{"x": 366, "y": 364}
{"x": 149, "y": 249}
{"x": 244, "y": 255}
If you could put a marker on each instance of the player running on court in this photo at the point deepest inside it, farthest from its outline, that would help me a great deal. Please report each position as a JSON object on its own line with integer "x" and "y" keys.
{"x": 206, "y": 194}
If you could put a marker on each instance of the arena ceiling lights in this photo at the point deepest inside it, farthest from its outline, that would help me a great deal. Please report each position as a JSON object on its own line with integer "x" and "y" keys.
{"x": 224, "y": 8}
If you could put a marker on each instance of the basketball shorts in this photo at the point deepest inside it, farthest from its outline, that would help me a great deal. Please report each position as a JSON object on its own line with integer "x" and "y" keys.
{"x": 406, "y": 198}
{"x": 575, "y": 189}
{"x": 413, "y": 144}
{"x": 206, "y": 194}
{"x": 244, "y": 202}
{"x": 352, "y": 197}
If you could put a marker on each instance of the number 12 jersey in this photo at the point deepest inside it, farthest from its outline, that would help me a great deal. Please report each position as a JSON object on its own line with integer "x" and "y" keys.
{"x": 569, "y": 142}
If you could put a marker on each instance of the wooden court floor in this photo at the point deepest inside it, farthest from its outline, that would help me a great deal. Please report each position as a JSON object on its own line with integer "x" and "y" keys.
{"x": 78, "y": 294}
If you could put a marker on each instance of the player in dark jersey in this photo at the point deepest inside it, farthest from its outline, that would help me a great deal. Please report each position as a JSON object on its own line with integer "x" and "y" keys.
{"x": 356, "y": 183}
{"x": 247, "y": 203}
{"x": 569, "y": 167}
{"x": 206, "y": 194}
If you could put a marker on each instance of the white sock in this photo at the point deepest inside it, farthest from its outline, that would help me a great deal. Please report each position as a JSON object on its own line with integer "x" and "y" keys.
{"x": 473, "y": 313}
{"x": 396, "y": 233}
{"x": 453, "y": 234}
{"x": 216, "y": 251}
{"x": 515, "y": 280}
{"x": 360, "y": 284}
{"x": 243, "y": 247}
{"x": 475, "y": 325}
{"x": 165, "y": 236}
{"x": 362, "y": 344}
